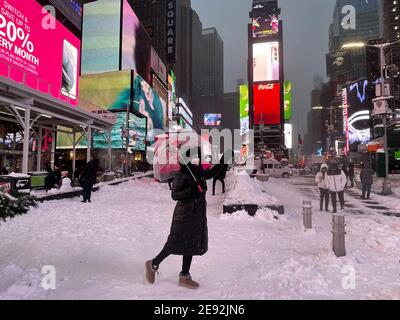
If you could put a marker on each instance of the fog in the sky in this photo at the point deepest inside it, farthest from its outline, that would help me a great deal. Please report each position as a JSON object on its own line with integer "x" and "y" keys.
{"x": 306, "y": 34}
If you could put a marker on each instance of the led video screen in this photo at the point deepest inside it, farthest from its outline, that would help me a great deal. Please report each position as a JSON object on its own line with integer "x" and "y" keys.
{"x": 266, "y": 65}
{"x": 25, "y": 56}
{"x": 267, "y": 106}
{"x": 212, "y": 119}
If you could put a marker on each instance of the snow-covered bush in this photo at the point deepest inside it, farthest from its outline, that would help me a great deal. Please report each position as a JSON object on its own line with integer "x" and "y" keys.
{"x": 11, "y": 207}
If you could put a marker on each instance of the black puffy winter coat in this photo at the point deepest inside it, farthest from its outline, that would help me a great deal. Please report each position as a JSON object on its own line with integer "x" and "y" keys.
{"x": 189, "y": 231}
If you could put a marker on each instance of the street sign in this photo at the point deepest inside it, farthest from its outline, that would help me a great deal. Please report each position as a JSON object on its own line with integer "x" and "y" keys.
{"x": 381, "y": 106}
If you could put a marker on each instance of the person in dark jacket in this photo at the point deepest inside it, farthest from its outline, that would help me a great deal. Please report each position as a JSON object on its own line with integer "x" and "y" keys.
{"x": 87, "y": 180}
{"x": 350, "y": 174}
{"x": 220, "y": 175}
{"x": 367, "y": 180}
{"x": 189, "y": 233}
{"x": 49, "y": 179}
{"x": 57, "y": 176}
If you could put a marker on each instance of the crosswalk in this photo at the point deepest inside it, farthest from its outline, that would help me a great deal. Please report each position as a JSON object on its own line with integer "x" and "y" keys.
{"x": 353, "y": 202}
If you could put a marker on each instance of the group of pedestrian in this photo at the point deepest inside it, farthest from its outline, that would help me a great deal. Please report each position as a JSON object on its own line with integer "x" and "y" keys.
{"x": 332, "y": 182}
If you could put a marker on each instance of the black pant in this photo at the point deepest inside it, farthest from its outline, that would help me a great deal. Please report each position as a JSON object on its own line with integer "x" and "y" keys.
{"x": 87, "y": 192}
{"x": 186, "y": 261}
{"x": 324, "y": 197}
{"x": 351, "y": 181}
{"x": 334, "y": 199}
{"x": 215, "y": 182}
{"x": 366, "y": 189}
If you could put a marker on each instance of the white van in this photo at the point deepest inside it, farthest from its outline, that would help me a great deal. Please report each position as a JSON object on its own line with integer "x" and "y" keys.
{"x": 274, "y": 169}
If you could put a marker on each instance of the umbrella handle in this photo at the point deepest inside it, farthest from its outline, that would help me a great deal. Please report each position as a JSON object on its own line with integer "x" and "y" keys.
{"x": 200, "y": 188}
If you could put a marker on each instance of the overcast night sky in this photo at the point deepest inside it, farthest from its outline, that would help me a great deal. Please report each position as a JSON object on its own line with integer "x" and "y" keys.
{"x": 306, "y": 32}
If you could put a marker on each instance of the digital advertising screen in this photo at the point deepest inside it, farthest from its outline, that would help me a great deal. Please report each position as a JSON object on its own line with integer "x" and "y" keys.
{"x": 265, "y": 26}
{"x": 158, "y": 65}
{"x": 287, "y": 94}
{"x": 101, "y": 36}
{"x": 359, "y": 106}
{"x": 397, "y": 155}
{"x": 338, "y": 62}
{"x": 266, "y": 64}
{"x": 267, "y": 109}
{"x": 137, "y": 133}
{"x": 25, "y": 56}
{"x": 288, "y": 131}
{"x": 111, "y": 91}
{"x": 212, "y": 119}
{"x": 136, "y": 47}
{"x": 149, "y": 104}
{"x": 244, "y": 109}
{"x": 172, "y": 110}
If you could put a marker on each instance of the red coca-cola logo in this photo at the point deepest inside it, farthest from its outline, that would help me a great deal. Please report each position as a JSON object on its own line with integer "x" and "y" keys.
{"x": 269, "y": 86}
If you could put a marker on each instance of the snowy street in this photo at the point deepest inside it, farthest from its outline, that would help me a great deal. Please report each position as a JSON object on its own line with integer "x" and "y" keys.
{"x": 98, "y": 250}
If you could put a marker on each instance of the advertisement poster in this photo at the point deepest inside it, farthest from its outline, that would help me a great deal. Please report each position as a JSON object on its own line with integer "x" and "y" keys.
{"x": 69, "y": 70}
{"x": 212, "y": 119}
{"x": 338, "y": 62}
{"x": 288, "y": 100}
{"x": 158, "y": 66}
{"x": 244, "y": 109}
{"x": 24, "y": 51}
{"x": 172, "y": 109}
{"x": 267, "y": 109}
{"x": 266, "y": 61}
{"x": 136, "y": 47}
{"x": 112, "y": 91}
{"x": 149, "y": 104}
{"x": 265, "y": 26}
{"x": 101, "y": 36}
{"x": 359, "y": 100}
{"x": 288, "y": 131}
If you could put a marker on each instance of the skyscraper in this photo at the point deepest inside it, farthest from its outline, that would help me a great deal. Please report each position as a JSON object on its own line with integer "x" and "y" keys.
{"x": 366, "y": 27}
{"x": 153, "y": 16}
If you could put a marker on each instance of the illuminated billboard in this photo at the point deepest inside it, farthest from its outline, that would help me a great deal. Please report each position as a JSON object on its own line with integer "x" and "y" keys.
{"x": 136, "y": 47}
{"x": 114, "y": 39}
{"x": 212, "y": 119}
{"x": 25, "y": 53}
{"x": 288, "y": 131}
{"x": 101, "y": 36}
{"x": 266, "y": 65}
{"x": 265, "y": 26}
{"x": 244, "y": 109}
{"x": 359, "y": 97}
{"x": 267, "y": 106}
{"x": 287, "y": 94}
{"x": 137, "y": 133}
{"x": 172, "y": 110}
{"x": 147, "y": 102}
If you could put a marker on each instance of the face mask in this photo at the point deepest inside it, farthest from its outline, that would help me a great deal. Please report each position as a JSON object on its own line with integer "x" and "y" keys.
{"x": 195, "y": 162}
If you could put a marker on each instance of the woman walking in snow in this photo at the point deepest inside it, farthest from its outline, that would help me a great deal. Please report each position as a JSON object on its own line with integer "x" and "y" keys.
{"x": 189, "y": 234}
{"x": 323, "y": 187}
{"x": 336, "y": 180}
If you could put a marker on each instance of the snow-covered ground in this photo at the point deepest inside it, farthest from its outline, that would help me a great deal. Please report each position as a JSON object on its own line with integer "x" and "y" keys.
{"x": 98, "y": 250}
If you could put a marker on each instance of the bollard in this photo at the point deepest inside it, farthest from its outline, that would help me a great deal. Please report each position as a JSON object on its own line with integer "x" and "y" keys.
{"x": 338, "y": 232}
{"x": 307, "y": 214}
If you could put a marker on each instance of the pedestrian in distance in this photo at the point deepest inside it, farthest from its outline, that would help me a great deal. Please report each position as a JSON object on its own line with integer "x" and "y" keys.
{"x": 351, "y": 175}
{"x": 367, "y": 179}
{"x": 87, "y": 180}
{"x": 336, "y": 180}
{"x": 321, "y": 180}
{"x": 220, "y": 173}
{"x": 189, "y": 233}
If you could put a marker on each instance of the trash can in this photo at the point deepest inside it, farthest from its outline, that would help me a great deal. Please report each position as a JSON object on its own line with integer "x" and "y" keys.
{"x": 15, "y": 184}
{"x": 380, "y": 165}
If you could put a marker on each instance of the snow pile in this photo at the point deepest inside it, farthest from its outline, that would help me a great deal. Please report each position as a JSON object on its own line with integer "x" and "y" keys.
{"x": 248, "y": 191}
{"x": 17, "y": 175}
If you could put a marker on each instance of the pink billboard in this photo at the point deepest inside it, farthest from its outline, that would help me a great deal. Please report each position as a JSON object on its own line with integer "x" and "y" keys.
{"x": 38, "y": 51}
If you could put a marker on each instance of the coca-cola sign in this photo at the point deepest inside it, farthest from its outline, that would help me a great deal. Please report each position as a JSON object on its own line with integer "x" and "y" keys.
{"x": 268, "y": 86}
{"x": 267, "y": 103}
